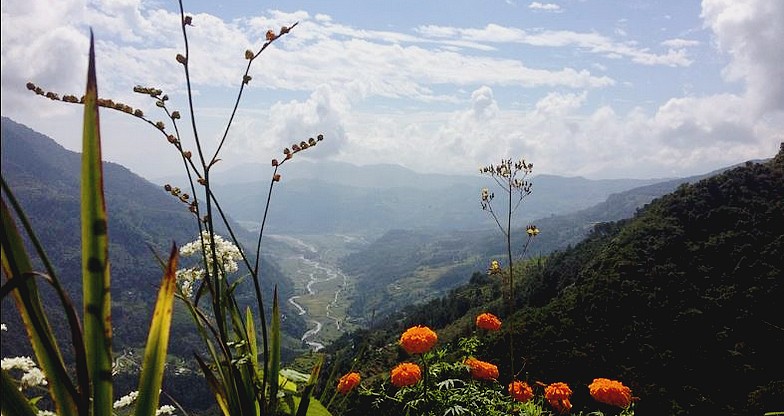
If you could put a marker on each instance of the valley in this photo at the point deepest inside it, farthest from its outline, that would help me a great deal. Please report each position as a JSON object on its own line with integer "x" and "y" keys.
{"x": 323, "y": 293}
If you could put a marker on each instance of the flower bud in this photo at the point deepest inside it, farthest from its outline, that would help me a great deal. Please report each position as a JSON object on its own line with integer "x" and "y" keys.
{"x": 187, "y": 21}
{"x": 175, "y": 115}
{"x": 167, "y": 187}
{"x": 284, "y": 30}
{"x": 246, "y": 79}
{"x": 274, "y": 162}
{"x": 276, "y": 178}
{"x": 181, "y": 59}
{"x": 187, "y": 154}
{"x": 270, "y": 36}
{"x": 160, "y": 125}
{"x": 171, "y": 139}
{"x": 138, "y": 113}
{"x": 249, "y": 54}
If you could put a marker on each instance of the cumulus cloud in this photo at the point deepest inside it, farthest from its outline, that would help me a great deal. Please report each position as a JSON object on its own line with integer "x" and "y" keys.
{"x": 750, "y": 32}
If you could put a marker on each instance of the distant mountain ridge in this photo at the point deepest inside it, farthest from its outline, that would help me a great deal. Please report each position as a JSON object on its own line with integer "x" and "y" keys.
{"x": 336, "y": 197}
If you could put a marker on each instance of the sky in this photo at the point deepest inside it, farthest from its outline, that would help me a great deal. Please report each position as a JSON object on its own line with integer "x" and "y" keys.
{"x": 593, "y": 88}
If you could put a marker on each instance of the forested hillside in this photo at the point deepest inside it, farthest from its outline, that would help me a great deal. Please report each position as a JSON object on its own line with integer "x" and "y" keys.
{"x": 143, "y": 220}
{"x": 681, "y": 302}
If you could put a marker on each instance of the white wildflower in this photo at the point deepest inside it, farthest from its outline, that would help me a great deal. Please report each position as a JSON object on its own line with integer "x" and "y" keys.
{"x": 165, "y": 410}
{"x": 31, "y": 375}
{"x": 3, "y": 327}
{"x": 227, "y": 254}
{"x": 126, "y": 400}
{"x": 46, "y": 413}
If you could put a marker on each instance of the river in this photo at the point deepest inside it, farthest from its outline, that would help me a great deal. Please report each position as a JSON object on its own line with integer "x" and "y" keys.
{"x": 323, "y": 283}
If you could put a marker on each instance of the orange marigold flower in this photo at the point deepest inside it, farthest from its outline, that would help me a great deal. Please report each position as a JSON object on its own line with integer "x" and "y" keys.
{"x": 610, "y": 392}
{"x": 558, "y": 394}
{"x": 406, "y": 374}
{"x": 418, "y": 339}
{"x": 482, "y": 370}
{"x": 520, "y": 391}
{"x": 348, "y": 382}
{"x": 488, "y": 321}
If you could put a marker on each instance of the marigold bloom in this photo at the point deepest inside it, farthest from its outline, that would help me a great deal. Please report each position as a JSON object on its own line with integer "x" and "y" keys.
{"x": 406, "y": 374}
{"x": 418, "y": 339}
{"x": 520, "y": 391}
{"x": 348, "y": 382}
{"x": 488, "y": 321}
{"x": 558, "y": 394}
{"x": 610, "y": 392}
{"x": 482, "y": 370}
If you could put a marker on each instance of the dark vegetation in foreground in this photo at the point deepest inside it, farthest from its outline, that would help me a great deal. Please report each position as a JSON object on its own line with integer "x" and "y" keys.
{"x": 681, "y": 302}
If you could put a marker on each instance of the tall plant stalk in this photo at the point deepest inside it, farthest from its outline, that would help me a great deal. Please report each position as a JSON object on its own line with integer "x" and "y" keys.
{"x": 511, "y": 177}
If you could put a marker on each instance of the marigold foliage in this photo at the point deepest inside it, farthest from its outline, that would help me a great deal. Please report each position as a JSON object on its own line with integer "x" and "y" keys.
{"x": 418, "y": 339}
{"x": 558, "y": 394}
{"x": 406, "y": 374}
{"x": 610, "y": 392}
{"x": 348, "y": 382}
{"x": 488, "y": 321}
{"x": 482, "y": 370}
{"x": 520, "y": 391}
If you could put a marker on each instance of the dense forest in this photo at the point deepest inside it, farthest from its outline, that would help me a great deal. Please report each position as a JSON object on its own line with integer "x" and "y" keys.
{"x": 680, "y": 302}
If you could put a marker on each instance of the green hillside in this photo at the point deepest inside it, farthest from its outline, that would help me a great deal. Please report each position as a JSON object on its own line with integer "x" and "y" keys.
{"x": 680, "y": 302}
{"x": 143, "y": 219}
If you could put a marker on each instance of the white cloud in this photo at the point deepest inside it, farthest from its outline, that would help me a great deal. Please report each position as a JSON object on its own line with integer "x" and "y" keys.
{"x": 591, "y": 42}
{"x": 550, "y": 7}
{"x": 750, "y": 33}
{"x": 680, "y": 43}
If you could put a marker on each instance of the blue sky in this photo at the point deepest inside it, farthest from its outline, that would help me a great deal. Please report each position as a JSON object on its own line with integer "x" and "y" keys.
{"x": 601, "y": 89}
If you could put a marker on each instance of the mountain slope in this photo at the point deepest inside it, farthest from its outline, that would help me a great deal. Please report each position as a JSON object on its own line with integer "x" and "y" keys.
{"x": 45, "y": 178}
{"x": 680, "y": 302}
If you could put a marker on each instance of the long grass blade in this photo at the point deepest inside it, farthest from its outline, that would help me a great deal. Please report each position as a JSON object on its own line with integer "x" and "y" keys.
{"x": 95, "y": 255}
{"x": 274, "y": 352}
{"x": 16, "y": 264}
{"x": 307, "y": 391}
{"x": 151, "y": 378}
{"x": 215, "y": 387}
{"x": 12, "y": 401}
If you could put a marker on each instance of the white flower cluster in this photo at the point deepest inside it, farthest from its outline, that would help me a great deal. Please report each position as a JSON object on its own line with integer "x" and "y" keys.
{"x": 126, "y": 400}
{"x": 165, "y": 410}
{"x": 227, "y": 254}
{"x": 31, "y": 375}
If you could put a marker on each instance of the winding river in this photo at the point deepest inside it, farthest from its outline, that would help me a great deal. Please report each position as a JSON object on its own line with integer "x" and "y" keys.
{"x": 313, "y": 274}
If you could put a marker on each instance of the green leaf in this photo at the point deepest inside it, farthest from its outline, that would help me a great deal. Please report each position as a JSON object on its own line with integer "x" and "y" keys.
{"x": 158, "y": 341}
{"x": 16, "y": 264}
{"x": 95, "y": 252}
{"x": 305, "y": 402}
{"x": 215, "y": 386}
{"x": 12, "y": 401}
{"x": 274, "y": 351}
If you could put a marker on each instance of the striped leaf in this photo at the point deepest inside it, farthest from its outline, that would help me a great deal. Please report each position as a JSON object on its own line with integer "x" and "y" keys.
{"x": 17, "y": 268}
{"x": 95, "y": 258}
{"x": 151, "y": 378}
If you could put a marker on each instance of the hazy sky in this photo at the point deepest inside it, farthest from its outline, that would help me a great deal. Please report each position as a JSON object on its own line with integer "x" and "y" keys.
{"x": 597, "y": 88}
